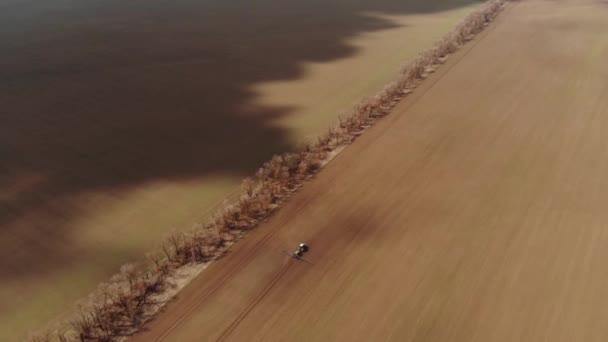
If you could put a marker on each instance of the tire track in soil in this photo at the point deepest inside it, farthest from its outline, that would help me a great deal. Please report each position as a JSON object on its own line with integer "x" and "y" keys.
{"x": 226, "y": 333}
{"x": 201, "y": 298}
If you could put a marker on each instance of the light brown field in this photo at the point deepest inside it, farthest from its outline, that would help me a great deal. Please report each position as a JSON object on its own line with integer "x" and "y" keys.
{"x": 475, "y": 212}
{"x": 121, "y": 120}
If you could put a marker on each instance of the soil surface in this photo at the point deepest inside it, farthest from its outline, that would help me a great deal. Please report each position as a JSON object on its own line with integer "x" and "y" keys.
{"x": 475, "y": 212}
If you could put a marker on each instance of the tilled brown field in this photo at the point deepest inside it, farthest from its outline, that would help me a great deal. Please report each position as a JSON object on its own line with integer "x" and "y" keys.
{"x": 475, "y": 212}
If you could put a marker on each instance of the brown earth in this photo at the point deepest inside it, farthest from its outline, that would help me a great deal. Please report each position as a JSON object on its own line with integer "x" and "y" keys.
{"x": 475, "y": 212}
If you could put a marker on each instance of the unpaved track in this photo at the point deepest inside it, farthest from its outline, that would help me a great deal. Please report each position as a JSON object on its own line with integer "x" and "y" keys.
{"x": 475, "y": 212}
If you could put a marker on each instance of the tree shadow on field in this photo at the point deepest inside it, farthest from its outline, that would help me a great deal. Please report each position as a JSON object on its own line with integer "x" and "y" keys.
{"x": 107, "y": 95}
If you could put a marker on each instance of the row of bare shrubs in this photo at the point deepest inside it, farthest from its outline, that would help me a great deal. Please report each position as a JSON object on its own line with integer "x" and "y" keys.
{"x": 118, "y": 307}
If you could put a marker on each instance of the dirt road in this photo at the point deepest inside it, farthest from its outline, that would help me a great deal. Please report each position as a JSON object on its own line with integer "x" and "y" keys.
{"x": 475, "y": 212}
